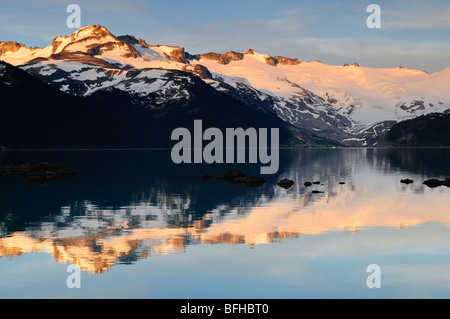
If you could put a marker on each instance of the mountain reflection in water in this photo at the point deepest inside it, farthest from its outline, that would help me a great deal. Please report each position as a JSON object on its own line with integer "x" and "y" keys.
{"x": 135, "y": 204}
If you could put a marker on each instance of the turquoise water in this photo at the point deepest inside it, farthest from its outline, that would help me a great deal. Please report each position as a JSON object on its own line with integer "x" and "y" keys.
{"x": 139, "y": 226}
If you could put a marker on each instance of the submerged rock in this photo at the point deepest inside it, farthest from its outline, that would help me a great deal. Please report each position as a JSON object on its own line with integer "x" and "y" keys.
{"x": 233, "y": 174}
{"x": 37, "y": 172}
{"x": 205, "y": 176}
{"x": 240, "y": 178}
{"x": 285, "y": 183}
{"x": 249, "y": 180}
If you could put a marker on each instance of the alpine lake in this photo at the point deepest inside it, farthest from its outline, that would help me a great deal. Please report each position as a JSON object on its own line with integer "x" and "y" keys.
{"x": 137, "y": 225}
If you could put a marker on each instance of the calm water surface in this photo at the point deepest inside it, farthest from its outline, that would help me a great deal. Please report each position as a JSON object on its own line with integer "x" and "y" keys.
{"x": 140, "y": 226}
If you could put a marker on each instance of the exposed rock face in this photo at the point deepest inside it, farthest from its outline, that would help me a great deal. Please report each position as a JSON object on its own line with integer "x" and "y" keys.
{"x": 178, "y": 55}
{"x": 416, "y": 105}
{"x": 271, "y": 61}
{"x": 202, "y": 71}
{"x": 227, "y": 57}
{"x": 55, "y": 44}
{"x": 130, "y": 39}
{"x": 10, "y": 46}
{"x": 224, "y": 58}
{"x": 286, "y": 61}
{"x": 77, "y": 57}
{"x": 130, "y": 51}
{"x": 95, "y": 31}
{"x": 198, "y": 69}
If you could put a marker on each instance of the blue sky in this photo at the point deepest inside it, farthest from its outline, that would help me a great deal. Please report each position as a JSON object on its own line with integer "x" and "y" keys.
{"x": 414, "y": 34}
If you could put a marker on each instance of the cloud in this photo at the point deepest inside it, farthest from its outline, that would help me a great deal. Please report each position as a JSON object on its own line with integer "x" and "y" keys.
{"x": 136, "y": 6}
{"x": 45, "y": 33}
{"x": 418, "y": 16}
{"x": 379, "y": 52}
{"x": 278, "y": 37}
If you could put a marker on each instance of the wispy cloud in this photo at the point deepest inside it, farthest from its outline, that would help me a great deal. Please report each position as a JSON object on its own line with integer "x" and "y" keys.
{"x": 418, "y": 16}
{"x": 136, "y": 6}
{"x": 45, "y": 33}
{"x": 430, "y": 56}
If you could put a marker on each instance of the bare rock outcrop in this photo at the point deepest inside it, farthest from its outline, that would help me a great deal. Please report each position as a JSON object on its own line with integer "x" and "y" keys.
{"x": 10, "y": 46}
{"x": 286, "y": 61}
{"x": 223, "y": 58}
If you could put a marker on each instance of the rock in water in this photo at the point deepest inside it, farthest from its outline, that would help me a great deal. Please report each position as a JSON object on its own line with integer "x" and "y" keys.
{"x": 233, "y": 174}
{"x": 432, "y": 183}
{"x": 285, "y": 183}
{"x": 240, "y": 178}
{"x": 406, "y": 181}
{"x": 248, "y": 181}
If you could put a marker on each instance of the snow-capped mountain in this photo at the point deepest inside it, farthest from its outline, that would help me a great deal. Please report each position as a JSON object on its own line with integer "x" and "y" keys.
{"x": 350, "y": 104}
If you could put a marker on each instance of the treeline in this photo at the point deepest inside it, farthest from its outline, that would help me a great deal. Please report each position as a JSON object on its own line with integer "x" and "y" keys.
{"x": 426, "y": 130}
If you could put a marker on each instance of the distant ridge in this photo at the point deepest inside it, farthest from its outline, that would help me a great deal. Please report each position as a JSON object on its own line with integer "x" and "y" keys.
{"x": 349, "y": 105}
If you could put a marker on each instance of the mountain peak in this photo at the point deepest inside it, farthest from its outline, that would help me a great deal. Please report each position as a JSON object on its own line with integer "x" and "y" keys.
{"x": 93, "y": 40}
{"x": 91, "y": 31}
